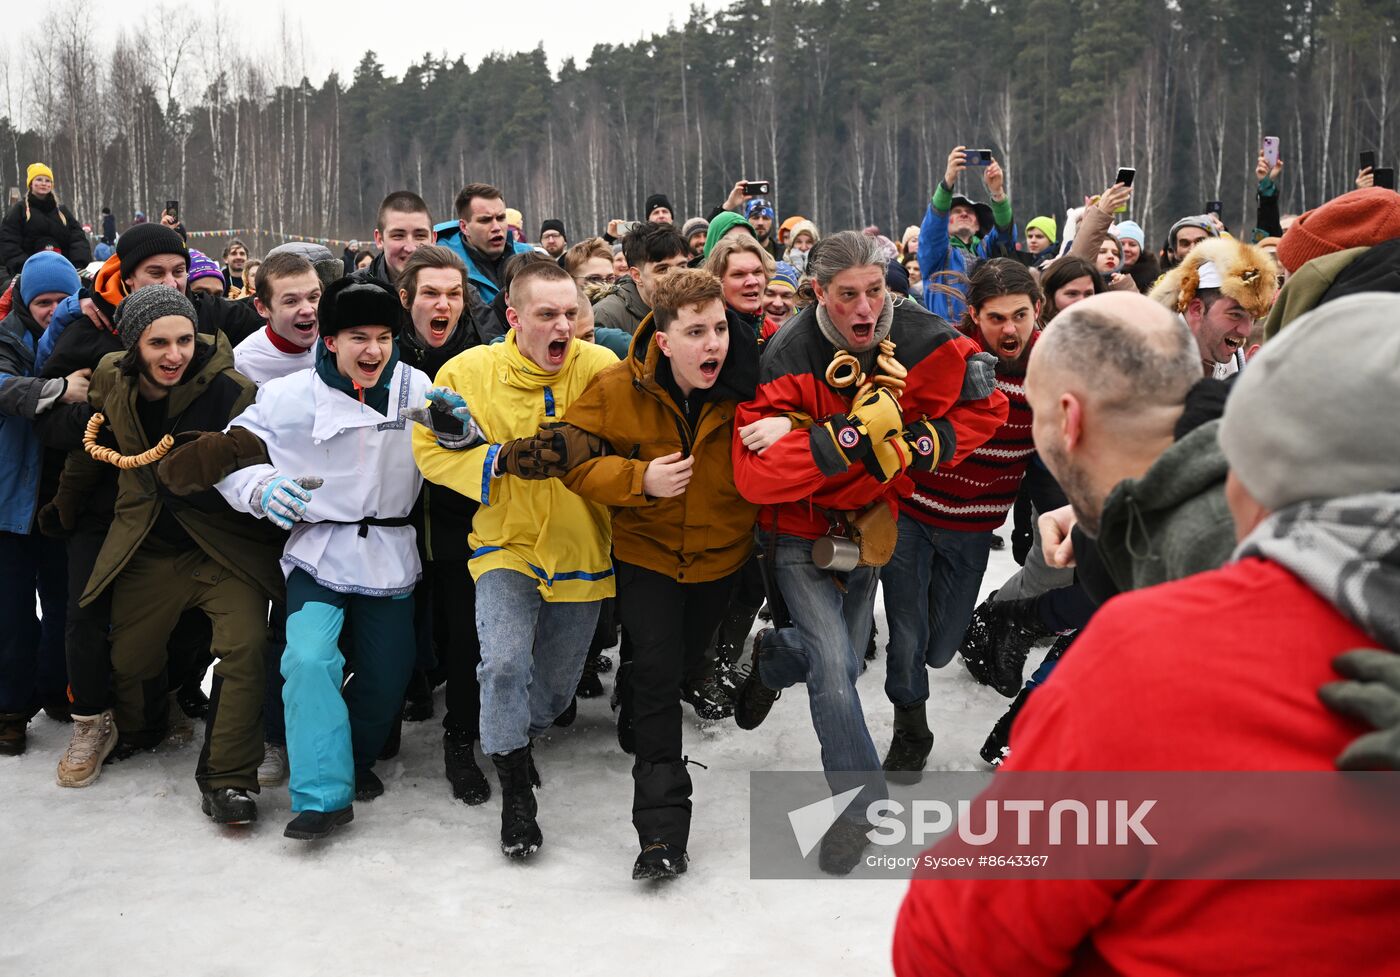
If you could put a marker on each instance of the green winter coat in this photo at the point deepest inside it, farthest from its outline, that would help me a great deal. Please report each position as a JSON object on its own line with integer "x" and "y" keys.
{"x": 212, "y": 394}
{"x": 1173, "y": 521}
{"x": 621, "y": 308}
{"x": 1305, "y": 288}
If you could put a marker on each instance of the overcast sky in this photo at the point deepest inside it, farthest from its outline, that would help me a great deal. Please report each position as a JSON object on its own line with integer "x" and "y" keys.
{"x": 337, "y": 34}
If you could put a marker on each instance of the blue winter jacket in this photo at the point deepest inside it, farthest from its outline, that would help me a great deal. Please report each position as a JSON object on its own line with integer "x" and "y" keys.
{"x": 937, "y": 258}
{"x": 449, "y": 235}
{"x": 20, "y": 451}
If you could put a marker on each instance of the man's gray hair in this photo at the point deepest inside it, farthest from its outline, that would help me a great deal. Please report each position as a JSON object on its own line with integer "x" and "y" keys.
{"x": 846, "y": 249}
{"x": 1124, "y": 362}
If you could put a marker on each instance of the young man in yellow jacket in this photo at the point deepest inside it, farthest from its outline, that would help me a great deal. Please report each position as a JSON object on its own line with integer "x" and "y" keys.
{"x": 540, "y": 554}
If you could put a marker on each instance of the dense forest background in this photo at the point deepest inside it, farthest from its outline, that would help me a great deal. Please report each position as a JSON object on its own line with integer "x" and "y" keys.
{"x": 848, "y": 106}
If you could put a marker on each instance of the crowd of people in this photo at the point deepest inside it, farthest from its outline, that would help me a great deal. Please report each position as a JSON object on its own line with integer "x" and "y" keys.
{"x": 460, "y": 458}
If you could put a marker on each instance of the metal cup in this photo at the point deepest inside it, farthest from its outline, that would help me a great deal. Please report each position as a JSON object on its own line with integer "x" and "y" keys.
{"x": 835, "y": 553}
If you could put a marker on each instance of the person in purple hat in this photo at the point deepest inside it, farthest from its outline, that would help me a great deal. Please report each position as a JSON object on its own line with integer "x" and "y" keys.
{"x": 204, "y": 274}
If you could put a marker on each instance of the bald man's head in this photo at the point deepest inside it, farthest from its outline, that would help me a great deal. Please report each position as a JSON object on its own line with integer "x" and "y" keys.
{"x": 1123, "y": 350}
{"x": 1107, "y": 381}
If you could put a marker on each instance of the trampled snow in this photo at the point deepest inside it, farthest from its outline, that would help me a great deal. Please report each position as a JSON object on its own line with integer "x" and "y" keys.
{"x": 127, "y": 877}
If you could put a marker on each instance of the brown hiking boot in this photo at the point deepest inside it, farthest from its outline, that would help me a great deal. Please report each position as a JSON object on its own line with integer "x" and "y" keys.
{"x": 93, "y": 738}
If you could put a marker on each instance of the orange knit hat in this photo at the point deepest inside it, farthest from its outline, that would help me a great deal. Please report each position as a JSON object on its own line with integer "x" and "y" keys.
{"x": 1357, "y": 219}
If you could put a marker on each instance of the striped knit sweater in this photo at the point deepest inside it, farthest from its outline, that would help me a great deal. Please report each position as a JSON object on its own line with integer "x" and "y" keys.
{"x": 975, "y": 495}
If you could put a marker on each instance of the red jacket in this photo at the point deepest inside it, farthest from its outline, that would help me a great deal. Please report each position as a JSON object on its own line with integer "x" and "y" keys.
{"x": 1218, "y": 671}
{"x": 792, "y": 380}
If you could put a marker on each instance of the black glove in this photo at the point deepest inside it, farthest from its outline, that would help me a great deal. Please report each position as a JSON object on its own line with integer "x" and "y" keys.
{"x": 1372, "y": 696}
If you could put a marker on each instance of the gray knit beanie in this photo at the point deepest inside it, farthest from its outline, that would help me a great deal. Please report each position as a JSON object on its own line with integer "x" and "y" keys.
{"x": 1312, "y": 415}
{"x": 328, "y": 266}
{"x": 144, "y": 306}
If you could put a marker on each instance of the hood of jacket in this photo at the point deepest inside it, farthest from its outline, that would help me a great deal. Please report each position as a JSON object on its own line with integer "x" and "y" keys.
{"x": 626, "y": 290}
{"x": 108, "y": 289}
{"x": 212, "y": 356}
{"x": 738, "y": 377}
{"x": 1173, "y": 521}
{"x": 517, "y": 370}
{"x": 722, "y": 225}
{"x": 430, "y": 359}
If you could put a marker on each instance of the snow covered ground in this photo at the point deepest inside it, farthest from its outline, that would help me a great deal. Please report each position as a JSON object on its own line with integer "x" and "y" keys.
{"x": 128, "y": 878}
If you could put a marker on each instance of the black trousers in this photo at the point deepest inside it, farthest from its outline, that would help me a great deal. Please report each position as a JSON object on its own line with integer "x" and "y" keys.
{"x": 454, "y": 606}
{"x": 669, "y": 627}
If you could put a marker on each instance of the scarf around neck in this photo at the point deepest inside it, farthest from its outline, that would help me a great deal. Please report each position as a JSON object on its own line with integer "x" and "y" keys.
{"x": 376, "y": 397}
{"x": 882, "y": 332}
{"x": 1346, "y": 550}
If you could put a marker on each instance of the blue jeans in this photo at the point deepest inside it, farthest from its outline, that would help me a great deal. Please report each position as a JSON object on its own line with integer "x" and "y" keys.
{"x": 331, "y": 732}
{"x": 931, "y": 586}
{"x": 532, "y": 653}
{"x": 833, "y": 628}
{"x": 32, "y": 668}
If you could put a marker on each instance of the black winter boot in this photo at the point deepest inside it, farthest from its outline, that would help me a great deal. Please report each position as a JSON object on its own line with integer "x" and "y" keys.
{"x": 622, "y": 705}
{"x": 520, "y": 832}
{"x": 315, "y": 825}
{"x": 870, "y": 649}
{"x": 229, "y": 805}
{"x": 659, "y": 860}
{"x": 589, "y": 685}
{"x": 998, "y": 745}
{"x": 469, "y": 784}
{"x": 570, "y": 713}
{"x": 842, "y": 846}
{"x": 14, "y": 736}
{"x": 418, "y": 699}
{"x": 390, "y": 749}
{"x": 910, "y": 746}
{"x": 734, "y": 631}
{"x": 754, "y": 700}
{"x": 998, "y": 639}
{"x": 192, "y": 700}
{"x": 368, "y": 786}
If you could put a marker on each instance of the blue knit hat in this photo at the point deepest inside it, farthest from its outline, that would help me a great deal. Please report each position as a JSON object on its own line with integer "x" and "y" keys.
{"x": 1129, "y": 230}
{"x": 44, "y": 272}
{"x": 785, "y": 273}
{"x": 758, "y": 207}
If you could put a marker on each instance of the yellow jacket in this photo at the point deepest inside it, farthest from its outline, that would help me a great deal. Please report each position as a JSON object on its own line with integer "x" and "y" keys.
{"x": 538, "y": 528}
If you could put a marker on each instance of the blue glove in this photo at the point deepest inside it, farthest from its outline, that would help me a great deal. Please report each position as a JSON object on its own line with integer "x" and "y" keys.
{"x": 282, "y": 501}
{"x": 448, "y": 410}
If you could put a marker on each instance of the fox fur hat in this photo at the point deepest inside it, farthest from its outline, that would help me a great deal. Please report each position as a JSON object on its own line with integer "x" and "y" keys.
{"x": 1243, "y": 272}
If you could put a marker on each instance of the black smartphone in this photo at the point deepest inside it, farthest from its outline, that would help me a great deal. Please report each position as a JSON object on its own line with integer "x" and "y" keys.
{"x": 1385, "y": 177}
{"x": 172, "y": 207}
{"x": 1215, "y": 206}
{"x": 1368, "y": 160}
{"x": 1125, "y": 175}
{"x": 978, "y": 157}
{"x": 443, "y": 421}
{"x": 757, "y": 188}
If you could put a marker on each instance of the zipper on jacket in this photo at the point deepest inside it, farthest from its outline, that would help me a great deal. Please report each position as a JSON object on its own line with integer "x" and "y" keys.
{"x": 682, "y": 428}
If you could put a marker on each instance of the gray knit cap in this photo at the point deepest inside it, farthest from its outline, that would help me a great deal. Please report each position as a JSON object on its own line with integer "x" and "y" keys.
{"x": 328, "y": 266}
{"x": 1311, "y": 417}
{"x": 144, "y": 306}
